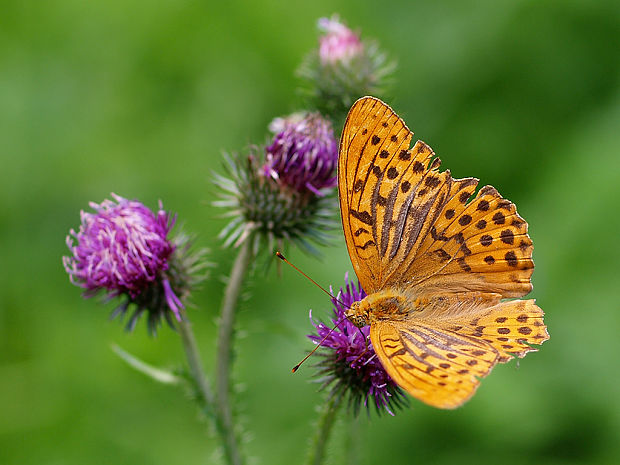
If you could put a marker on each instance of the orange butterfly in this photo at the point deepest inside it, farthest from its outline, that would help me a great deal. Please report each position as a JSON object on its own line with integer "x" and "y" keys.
{"x": 435, "y": 265}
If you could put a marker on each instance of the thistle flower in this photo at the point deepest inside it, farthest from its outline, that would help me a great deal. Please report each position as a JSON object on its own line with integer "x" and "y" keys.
{"x": 303, "y": 154}
{"x": 349, "y": 365}
{"x": 341, "y": 70}
{"x": 123, "y": 250}
{"x": 280, "y": 193}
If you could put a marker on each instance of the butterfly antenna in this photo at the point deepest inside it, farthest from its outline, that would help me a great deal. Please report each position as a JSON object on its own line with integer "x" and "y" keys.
{"x": 318, "y": 345}
{"x": 283, "y": 258}
{"x": 296, "y": 367}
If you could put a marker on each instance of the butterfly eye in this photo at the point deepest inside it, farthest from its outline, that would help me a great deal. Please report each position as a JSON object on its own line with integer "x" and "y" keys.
{"x": 356, "y": 315}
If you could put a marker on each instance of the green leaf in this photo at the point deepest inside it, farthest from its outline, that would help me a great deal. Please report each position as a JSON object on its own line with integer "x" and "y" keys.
{"x": 157, "y": 374}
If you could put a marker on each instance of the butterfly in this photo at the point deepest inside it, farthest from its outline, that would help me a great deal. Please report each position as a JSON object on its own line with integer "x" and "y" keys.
{"x": 437, "y": 264}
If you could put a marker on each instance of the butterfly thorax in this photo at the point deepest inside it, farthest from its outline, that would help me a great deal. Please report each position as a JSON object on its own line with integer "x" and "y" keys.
{"x": 381, "y": 305}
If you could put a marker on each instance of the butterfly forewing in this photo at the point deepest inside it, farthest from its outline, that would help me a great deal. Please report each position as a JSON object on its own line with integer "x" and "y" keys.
{"x": 378, "y": 177}
{"x": 483, "y": 247}
{"x": 408, "y": 224}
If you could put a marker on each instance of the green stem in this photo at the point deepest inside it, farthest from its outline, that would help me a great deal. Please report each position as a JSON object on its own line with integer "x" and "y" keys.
{"x": 353, "y": 441}
{"x": 224, "y": 350}
{"x": 323, "y": 430}
{"x": 195, "y": 364}
{"x": 206, "y": 397}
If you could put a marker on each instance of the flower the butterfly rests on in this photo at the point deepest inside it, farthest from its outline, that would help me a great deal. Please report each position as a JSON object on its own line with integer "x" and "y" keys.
{"x": 435, "y": 265}
{"x": 349, "y": 366}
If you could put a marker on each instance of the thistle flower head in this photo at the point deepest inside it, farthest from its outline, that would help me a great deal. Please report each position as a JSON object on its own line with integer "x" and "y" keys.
{"x": 303, "y": 153}
{"x": 349, "y": 364}
{"x": 342, "y": 69}
{"x": 278, "y": 194}
{"x": 339, "y": 43}
{"x": 123, "y": 249}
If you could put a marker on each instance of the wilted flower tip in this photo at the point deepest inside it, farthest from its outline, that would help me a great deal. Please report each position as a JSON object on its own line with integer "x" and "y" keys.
{"x": 341, "y": 69}
{"x": 339, "y": 44}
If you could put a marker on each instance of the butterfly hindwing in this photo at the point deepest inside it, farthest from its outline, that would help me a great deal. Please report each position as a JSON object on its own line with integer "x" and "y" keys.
{"x": 437, "y": 366}
{"x": 438, "y": 355}
{"x": 509, "y": 327}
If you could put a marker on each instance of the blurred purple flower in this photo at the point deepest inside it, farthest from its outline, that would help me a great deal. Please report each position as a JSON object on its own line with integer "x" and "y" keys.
{"x": 122, "y": 248}
{"x": 339, "y": 44}
{"x": 303, "y": 154}
{"x": 349, "y": 363}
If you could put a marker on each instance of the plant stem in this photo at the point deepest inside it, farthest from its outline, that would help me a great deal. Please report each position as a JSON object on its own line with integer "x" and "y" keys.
{"x": 206, "y": 397}
{"x": 353, "y": 441}
{"x": 195, "y": 364}
{"x": 323, "y": 430}
{"x": 224, "y": 350}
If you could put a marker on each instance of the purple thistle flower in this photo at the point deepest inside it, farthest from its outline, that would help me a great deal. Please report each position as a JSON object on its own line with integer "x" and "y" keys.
{"x": 123, "y": 249}
{"x": 339, "y": 44}
{"x": 349, "y": 363}
{"x": 303, "y": 154}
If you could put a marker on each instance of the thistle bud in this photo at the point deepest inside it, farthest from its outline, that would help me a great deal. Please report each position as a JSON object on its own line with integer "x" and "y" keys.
{"x": 342, "y": 69}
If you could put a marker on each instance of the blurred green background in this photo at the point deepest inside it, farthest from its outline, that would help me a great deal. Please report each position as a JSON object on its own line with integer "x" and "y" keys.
{"x": 141, "y": 98}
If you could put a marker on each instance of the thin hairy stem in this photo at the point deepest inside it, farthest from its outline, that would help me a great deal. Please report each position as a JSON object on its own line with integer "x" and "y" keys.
{"x": 195, "y": 364}
{"x": 206, "y": 398}
{"x": 225, "y": 347}
{"x": 323, "y": 430}
{"x": 352, "y": 441}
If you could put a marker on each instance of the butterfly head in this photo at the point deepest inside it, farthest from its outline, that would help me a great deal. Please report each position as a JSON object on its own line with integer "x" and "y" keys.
{"x": 358, "y": 314}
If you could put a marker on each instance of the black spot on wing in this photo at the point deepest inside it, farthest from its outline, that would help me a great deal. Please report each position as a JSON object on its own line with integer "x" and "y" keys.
{"x": 442, "y": 255}
{"x": 464, "y": 196}
{"x": 417, "y": 167}
{"x": 363, "y": 216}
{"x": 499, "y": 218}
{"x": 366, "y": 245}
